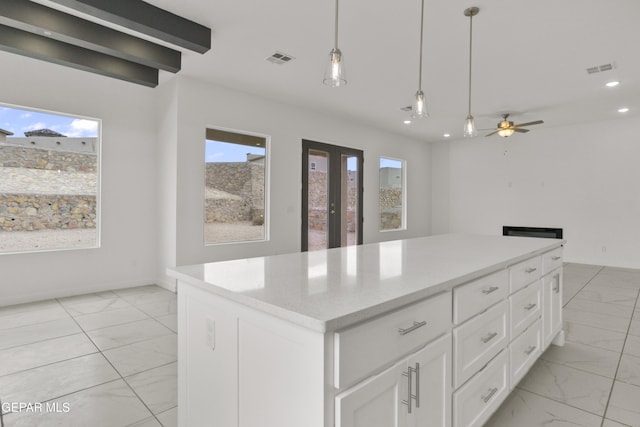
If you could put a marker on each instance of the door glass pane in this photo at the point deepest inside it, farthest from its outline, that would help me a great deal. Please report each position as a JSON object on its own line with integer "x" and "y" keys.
{"x": 318, "y": 228}
{"x": 349, "y": 198}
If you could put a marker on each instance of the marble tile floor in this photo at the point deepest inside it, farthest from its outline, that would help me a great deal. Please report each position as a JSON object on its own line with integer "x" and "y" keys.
{"x": 594, "y": 380}
{"x": 109, "y": 359}
{"x": 104, "y": 359}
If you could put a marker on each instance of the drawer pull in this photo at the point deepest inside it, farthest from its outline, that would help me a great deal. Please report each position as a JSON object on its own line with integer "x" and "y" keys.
{"x": 530, "y": 306}
{"x": 489, "y": 395}
{"x": 555, "y": 258}
{"x": 530, "y": 350}
{"x": 415, "y": 326}
{"x": 490, "y": 290}
{"x": 489, "y": 337}
{"x": 530, "y": 270}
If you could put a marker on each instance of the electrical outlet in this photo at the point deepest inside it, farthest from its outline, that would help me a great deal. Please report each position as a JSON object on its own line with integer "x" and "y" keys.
{"x": 210, "y": 330}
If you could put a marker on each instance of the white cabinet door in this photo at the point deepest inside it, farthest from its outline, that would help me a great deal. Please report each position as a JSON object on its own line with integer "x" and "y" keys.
{"x": 432, "y": 378}
{"x": 552, "y": 312}
{"x": 375, "y": 402}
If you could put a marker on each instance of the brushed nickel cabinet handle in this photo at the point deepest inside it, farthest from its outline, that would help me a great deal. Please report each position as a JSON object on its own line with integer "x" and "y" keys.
{"x": 490, "y": 290}
{"x": 530, "y": 350}
{"x": 489, "y": 337}
{"x": 556, "y": 258}
{"x": 410, "y": 396}
{"x": 416, "y": 325}
{"x": 530, "y": 270}
{"x": 530, "y": 307}
{"x": 417, "y": 396}
{"x": 489, "y": 395}
{"x": 556, "y": 288}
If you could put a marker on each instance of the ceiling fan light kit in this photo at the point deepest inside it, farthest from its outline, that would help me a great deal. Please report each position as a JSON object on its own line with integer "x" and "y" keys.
{"x": 506, "y": 128}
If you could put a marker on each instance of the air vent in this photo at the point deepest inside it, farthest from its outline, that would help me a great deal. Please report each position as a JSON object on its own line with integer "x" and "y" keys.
{"x": 601, "y": 68}
{"x": 279, "y": 58}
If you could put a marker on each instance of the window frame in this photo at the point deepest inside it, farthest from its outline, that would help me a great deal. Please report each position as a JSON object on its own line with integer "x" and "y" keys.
{"x": 267, "y": 185}
{"x": 98, "y": 188}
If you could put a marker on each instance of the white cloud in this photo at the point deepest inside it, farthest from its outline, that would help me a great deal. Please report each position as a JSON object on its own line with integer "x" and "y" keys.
{"x": 82, "y": 127}
{"x": 35, "y": 126}
{"x": 25, "y": 115}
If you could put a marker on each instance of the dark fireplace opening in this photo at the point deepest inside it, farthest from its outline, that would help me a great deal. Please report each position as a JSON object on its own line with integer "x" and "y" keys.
{"x": 549, "y": 233}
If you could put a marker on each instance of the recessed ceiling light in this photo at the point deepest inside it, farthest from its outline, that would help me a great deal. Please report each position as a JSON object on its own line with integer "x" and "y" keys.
{"x": 623, "y": 110}
{"x": 446, "y": 135}
{"x": 612, "y": 84}
{"x": 407, "y": 122}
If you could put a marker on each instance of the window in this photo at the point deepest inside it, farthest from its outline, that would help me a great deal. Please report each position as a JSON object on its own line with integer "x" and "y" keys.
{"x": 235, "y": 189}
{"x": 391, "y": 196}
{"x": 49, "y": 165}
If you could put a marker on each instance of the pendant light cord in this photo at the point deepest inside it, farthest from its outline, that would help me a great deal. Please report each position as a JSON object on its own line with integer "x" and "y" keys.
{"x": 421, "y": 31}
{"x": 336, "y": 31}
{"x": 470, "y": 50}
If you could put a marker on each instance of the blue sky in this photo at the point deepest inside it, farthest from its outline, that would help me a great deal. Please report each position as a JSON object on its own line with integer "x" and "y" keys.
{"x": 390, "y": 163}
{"x": 218, "y": 152}
{"x": 20, "y": 121}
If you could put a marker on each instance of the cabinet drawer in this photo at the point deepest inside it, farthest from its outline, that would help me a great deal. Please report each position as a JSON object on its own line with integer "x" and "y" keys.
{"x": 361, "y": 349}
{"x": 524, "y": 273}
{"x": 478, "y": 341}
{"x": 551, "y": 260}
{"x": 524, "y": 351}
{"x": 474, "y": 403}
{"x": 525, "y": 306}
{"x": 474, "y": 297}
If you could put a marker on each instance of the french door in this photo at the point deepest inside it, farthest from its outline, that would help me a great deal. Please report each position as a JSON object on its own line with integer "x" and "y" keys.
{"x": 331, "y": 196}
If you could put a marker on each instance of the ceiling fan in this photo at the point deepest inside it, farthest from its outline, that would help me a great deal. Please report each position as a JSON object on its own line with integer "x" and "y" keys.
{"x": 506, "y": 128}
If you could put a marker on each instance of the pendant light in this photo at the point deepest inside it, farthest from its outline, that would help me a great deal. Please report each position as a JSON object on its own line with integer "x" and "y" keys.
{"x": 419, "y": 107}
{"x": 469, "y": 125}
{"x": 334, "y": 76}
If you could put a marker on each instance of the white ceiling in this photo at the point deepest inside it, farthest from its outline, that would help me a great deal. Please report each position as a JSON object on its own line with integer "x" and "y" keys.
{"x": 530, "y": 58}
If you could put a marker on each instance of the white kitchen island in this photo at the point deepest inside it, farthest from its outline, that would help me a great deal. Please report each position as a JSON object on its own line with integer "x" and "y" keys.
{"x": 431, "y": 331}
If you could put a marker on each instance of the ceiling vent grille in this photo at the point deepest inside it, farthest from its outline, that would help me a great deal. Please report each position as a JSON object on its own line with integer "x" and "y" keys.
{"x": 601, "y": 68}
{"x": 279, "y": 58}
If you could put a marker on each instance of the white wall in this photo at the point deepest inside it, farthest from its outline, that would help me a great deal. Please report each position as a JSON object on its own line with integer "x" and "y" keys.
{"x": 584, "y": 179}
{"x": 127, "y": 256}
{"x": 201, "y": 105}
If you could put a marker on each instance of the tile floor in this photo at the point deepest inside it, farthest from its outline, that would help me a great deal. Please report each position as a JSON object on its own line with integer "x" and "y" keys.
{"x": 104, "y": 359}
{"x": 110, "y": 358}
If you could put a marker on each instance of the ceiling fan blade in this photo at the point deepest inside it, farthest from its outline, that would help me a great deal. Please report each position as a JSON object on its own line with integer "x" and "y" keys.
{"x": 492, "y": 133}
{"x": 521, "y": 130}
{"x": 537, "y": 122}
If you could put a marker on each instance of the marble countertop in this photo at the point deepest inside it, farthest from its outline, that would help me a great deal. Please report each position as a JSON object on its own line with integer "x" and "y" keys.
{"x": 329, "y": 290}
